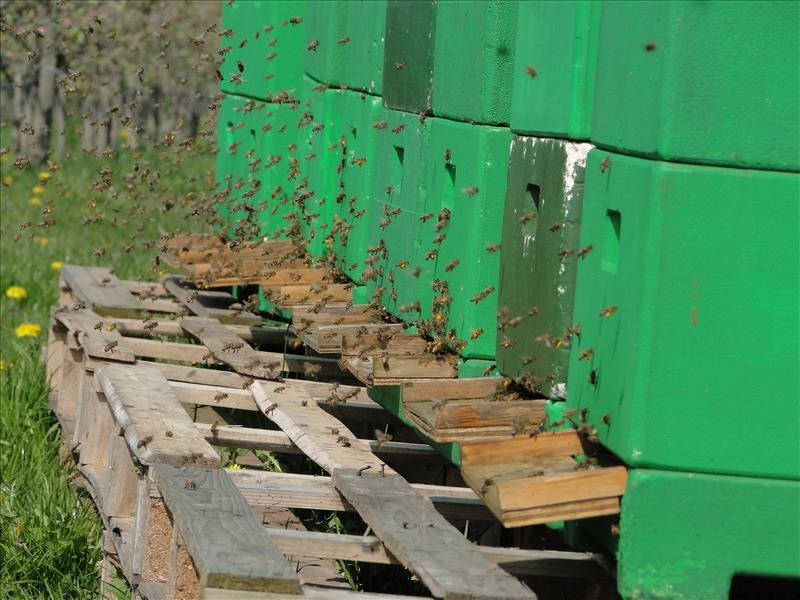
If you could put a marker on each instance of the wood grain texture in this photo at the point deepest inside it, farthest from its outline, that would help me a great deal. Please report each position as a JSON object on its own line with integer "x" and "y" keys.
{"x": 208, "y": 304}
{"x": 97, "y": 336}
{"x": 153, "y": 422}
{"x": 229, "y": 547}
{"x": 101, "y": 291}
{"x": 421, "y": 390}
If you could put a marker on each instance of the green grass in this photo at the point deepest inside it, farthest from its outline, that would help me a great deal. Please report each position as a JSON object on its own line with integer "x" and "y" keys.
{"x": 49, "y": 536}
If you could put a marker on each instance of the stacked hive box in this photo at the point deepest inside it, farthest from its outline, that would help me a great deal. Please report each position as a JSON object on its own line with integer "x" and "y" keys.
{"x": 601, "y": 197}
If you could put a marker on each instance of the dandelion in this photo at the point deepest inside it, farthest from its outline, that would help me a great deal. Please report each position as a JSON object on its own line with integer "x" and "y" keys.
{"x": 42, "y": 241}
{"x": 45, "y": 175}
{"x": 35, "y": 201}
{"x": 56, "y": 264}
{"x": 234, "y": 467}
{"x": 17, "y": 292}
{"x": 3, "y": 364}
{"x": 27, "y": 330}
{"x": 8, "y": 180}
{"x": 124, "y": 134}
{"x": 37, "y": 189}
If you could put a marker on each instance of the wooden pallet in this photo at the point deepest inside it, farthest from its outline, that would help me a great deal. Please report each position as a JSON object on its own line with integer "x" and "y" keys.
{"x": 179, "y": 526}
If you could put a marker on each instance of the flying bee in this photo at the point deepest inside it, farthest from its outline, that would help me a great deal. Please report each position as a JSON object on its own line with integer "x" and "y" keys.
{"x": 399, "y": 66}
{"x": 431, "y": 254}
{"x": 527, "y": 218}
{"x": 383, "y": 437}
{"x": 482, "y": 295}
{"x": 313, "y": 45}
{"x": 491, "y": 248}
{"x": 452, "y": 265}
{"x": 508, "y": 342}
{"x": 343, "y": 41}
{"x": 470, "y": 191}
{"x": 476, "y": 333}
{"x": 447, "y": 155}
{"x": 605, "y": 164}
{"x": 556, "y": 226}
{"x": 379, "y": 125}
{"x": 583, "y": 252}
{"x": 608, "y": 311}
{"x": 425, "y": 217}
{"x": 531, "y": 71}
{"x": 398, "y": 128}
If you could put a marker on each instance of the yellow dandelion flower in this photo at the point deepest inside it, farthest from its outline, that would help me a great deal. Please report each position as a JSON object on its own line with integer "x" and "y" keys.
{"x": 45, "y": 175}
{"x": 56, "y": 264}
{"x": 3, "y": 364}
{"x": 234, "y": 467}
{"x": 8, "y": 180}
{"x": 17, "y": 292}
{"x": 27, "y": 330}
{"x": 35, "y": 201}
{"x": 42, "y": 241}
{"x": 37, "y": 189}
{"x": 124, "y": 134}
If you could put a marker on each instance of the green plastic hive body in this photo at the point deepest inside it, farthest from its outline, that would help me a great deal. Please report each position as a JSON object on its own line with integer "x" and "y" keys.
{"x": 554, "y": 68}
{"x": 346, "y": 41}
{"x": 705, "y": 82}
{"x": 267, "y": 39}
{"x": 539, "y": 256}
{"x": 685, "y": 535}
{"x": 408, "y": 55}
{"x": 472, "y": 73}
{"x": 688, "y": 309}
{"x": 352, "y": 221}
{"x": 398, "y": 203}
{"x": 466, "y": 176}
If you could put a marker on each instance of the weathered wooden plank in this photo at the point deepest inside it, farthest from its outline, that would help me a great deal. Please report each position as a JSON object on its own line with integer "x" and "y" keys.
{"x": 229, "y": 547}
{"x": 155, "y": 425}
{"x": 395, "y": 370}
{"x": 422, "y": 540}
{"x": 408, "y": 524}
{"x": 305, "y": 294}
{"x": 101, "y": 291}
{"x": 147, "y": 289}
{"x": 255, "y": 334}
{"x": 97, "y": 336}
{"x": 370, "y": 549}
{"x": 328, "y": 338}
{"x": 208, "y": 304}
{"x": 392, "y": 342}
{"x": 451, "y": 389}
{"x": 321, "y": 593}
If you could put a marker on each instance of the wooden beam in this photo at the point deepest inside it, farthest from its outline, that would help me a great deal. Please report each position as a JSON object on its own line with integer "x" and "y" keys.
{"x": 409, "y": 525}
{"x": 156, "y": 427}
{"x": 101, "y": 291}
{"x": 229, "y": 547}
{"x": 449, "y": 389}
{"x": 208, "y": 304}
{"x": 97, "y": 336}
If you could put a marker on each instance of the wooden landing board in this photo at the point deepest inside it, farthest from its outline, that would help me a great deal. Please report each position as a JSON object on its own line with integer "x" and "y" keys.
{"x": 229, "y": 547}
{"x": 530, "y": 480}
{"x": 208, "y": 304}
{"x": 396, "y": 370}
{"x": 101, "y": 291}
{"x": 285, "y": 296}
{"x": 466, "y": 420}
{"x": 409, "y": 525}
{"x": 252, "y": 334}
{"x": 154, "y": 424}
{"x": 421, "y": 390}
{"x": 228, "y": 348}
{"x": 97, "y": 336}
{"x": 393, "y": 342}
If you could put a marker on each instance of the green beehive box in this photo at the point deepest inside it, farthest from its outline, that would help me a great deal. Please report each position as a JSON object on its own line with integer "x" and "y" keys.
{"x": 688, "y": 309}
{"x": 398, "y": 201}
{"x": 473, "y": 60}
{"x": 540, "y": 239}
{"x": 321, "y": 163}
{"x": 267, "y": 39}
{"x": 361, "y": 114}
{"x": 344, "y": 43}
{"x": 686, "y": 535}
{"x": 554, "y": 68}
{"x": 703, "y": 82}
{"x": 238, "y": 135}
{"x": 408, "y": 55}
{"x": 467, "y": 170}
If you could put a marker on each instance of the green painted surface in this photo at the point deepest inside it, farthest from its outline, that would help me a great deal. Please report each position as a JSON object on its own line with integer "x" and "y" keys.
{"x": 466, "y": 175}
{"x": 684, "y": 535}
{"x": 476, "y": 367}
{"x": 699, "y": 265}
{"x": 408, "y": 55}
{"x": 558, "y": 41}
{"x": 473, "y": 60}
{"x": 709, "y": 82}
{"x": 262, "y": 37}
{"x": 350, "y": 43}
{"x": 398, "y": 202}
{"x": 389, "y": 398}
{"x": 539, "y": 257}
{"x": 352, "y": 236}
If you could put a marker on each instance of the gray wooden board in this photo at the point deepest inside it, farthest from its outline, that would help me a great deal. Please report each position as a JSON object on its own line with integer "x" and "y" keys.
{"x": 101, "y": 291}
{"x": 96, "y": 342}
{"x": 420, "y": 538}
{"x": 154, "y": 423}
{"x": 208, "y": 303}
{"x": 229, "y": 546}
{"x": 212, "y": 334}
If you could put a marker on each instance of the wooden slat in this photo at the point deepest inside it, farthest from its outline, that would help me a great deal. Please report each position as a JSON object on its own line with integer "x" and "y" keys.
{"x": 454, "y": 389}
{"x": 307, "y": 294}
{"x": 370, "y": 549}
{"x": 101, "y": 291}
{"x": 201, "y": 303}
{"x": 392, "y": 342}
{"x": 229, "y": 547}
{"x": 254, "y": 334}
{"x": 408, "y": 524}
{"x": 97, "y": 342}
{"x": 395, "y": 370}
{"x": 155, "y": 425}
{"x": 328, "y": 337}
